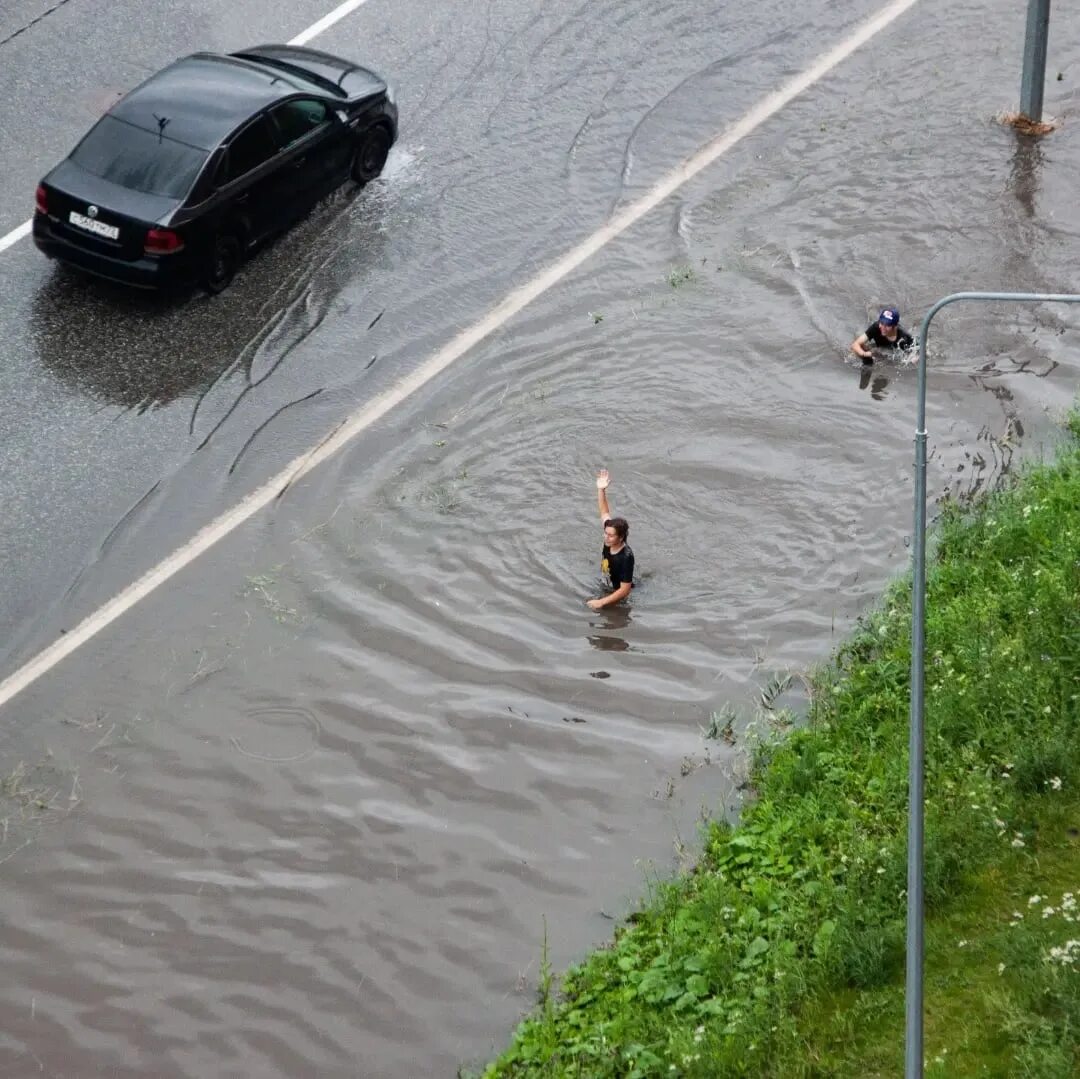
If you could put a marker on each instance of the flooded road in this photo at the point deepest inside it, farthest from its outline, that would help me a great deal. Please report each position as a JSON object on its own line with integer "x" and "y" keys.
{"x": 311, "y": 807}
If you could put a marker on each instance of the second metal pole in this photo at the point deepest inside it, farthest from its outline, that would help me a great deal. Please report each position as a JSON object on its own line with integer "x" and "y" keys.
{"x": 1034, "y": 77}
{"x": 913, "y": 993}
{"x": 913, "y": 996}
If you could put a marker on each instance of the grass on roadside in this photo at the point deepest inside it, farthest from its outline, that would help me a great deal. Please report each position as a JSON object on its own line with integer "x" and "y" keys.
{"x": 1000, "y": 986}
{"x": 781, "y": 954}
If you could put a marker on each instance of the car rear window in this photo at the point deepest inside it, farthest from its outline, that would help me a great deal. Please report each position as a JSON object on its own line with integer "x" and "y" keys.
{"x": 138, "y": 159}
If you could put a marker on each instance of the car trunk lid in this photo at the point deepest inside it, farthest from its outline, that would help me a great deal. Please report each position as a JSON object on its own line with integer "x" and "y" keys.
{"x": 108, "y": 218}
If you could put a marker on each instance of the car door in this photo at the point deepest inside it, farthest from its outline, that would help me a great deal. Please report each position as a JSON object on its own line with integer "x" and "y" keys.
{"x": 251, "y": 180}
{"x": 316, "y": 145}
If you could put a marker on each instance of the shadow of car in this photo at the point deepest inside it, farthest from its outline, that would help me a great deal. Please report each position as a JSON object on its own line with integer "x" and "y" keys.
{"x": 193, "y": 169}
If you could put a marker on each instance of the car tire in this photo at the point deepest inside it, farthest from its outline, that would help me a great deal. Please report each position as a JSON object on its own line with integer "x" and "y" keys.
{"x": 370, "y": 156}
{"x": 222, "y": 263}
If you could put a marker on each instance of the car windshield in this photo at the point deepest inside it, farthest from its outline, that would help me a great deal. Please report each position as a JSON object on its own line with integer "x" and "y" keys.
{"x": 139, "y": 160}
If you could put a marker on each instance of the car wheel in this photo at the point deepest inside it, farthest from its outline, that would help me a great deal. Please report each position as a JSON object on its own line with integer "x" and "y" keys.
{"x": 371, "y": 154}
{"x": 222, "y": 263}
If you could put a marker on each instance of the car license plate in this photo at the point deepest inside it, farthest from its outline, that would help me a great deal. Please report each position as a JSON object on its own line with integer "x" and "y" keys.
{"x": 110, "y": 232}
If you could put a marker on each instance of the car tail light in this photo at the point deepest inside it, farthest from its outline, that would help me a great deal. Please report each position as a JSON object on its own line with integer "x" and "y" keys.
{"x": 162, "y": 242}
{"x": 41, "y": 200}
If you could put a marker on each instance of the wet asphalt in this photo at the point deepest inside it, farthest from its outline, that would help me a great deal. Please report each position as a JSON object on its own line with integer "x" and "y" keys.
{"x": 89, "y": 371}
{"x": 519, "y": 135}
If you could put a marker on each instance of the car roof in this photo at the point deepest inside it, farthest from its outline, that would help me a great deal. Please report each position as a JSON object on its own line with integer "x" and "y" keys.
{"x": 203, "y": 98}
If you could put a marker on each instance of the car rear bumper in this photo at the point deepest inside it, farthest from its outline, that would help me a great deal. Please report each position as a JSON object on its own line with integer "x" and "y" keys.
{"x": 149, "y": 272}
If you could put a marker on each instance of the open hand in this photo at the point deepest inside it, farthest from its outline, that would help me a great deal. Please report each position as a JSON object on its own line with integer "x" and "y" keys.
{"x": 595, "y": 604}
{"x": 602, "y": 479}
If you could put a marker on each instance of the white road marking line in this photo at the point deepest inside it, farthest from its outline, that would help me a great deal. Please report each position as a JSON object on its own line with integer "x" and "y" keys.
{"x": 14, "y": 236}
{"x": 203, "y": 540}
{"x": 316, "y": 28}
{"x": 313, "y": 31}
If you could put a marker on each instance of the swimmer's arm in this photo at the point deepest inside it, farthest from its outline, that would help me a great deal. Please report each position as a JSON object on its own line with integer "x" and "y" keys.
{"x": 617, "y": 596}
{"x": 602, "y": 481}
{"x": 858, "y": 346}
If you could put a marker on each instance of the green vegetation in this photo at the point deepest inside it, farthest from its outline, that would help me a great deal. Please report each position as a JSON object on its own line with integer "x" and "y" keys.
{"x": 782, "y": 952}
{"x": 680, "y": 275}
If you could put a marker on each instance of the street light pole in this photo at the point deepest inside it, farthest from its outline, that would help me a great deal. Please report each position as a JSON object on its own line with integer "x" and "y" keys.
{"x": 1034, "y": 77}
{"x": 913, "y": 993}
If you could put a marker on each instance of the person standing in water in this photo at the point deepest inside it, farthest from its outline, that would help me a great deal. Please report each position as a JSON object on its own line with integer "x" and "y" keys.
{"x": 885, "y": 333}
{"x": 616, "y": 560}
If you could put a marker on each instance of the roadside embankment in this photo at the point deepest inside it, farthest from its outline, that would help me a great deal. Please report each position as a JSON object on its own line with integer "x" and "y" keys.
{"x": 782, "y": 953}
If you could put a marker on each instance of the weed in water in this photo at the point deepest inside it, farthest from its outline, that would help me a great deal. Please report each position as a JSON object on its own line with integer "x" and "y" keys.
{"x": 776, "y": 686}
{"x": 721, "y": 724}
{"x": 32, "y": 795}
{"x": 263, "y": 586}
{"x": 680, "y": 275}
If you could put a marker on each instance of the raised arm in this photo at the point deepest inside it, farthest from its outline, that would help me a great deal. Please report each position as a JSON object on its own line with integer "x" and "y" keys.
{"x": 602, "y": 481}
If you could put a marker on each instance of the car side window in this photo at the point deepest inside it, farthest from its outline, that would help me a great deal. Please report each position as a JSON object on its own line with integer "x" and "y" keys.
{"x": 295, "y": 119}
{"x": 248, "y": 150}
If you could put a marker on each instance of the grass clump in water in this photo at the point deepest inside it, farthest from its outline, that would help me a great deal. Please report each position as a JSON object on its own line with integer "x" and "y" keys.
{"x": 782, "y": 952}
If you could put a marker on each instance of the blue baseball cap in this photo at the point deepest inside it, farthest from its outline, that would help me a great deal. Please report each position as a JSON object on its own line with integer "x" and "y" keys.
{"x": 890, "y": 316}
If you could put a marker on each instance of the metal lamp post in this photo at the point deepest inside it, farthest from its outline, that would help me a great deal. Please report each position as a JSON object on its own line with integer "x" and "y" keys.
{"x": 913, "y": 1036}
{"x": 1034, "y": 77}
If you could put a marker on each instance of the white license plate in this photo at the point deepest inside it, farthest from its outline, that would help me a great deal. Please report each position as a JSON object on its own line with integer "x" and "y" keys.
{"x": 110, "y": 232}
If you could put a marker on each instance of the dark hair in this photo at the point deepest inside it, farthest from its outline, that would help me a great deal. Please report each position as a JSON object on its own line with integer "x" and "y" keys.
{"x": 622, "y": 529}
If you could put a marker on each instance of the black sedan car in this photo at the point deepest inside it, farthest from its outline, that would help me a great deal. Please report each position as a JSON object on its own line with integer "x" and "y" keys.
{"x": 187, "y": 173}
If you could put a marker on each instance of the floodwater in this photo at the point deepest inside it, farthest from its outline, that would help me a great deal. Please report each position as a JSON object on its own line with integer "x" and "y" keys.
{"x": 314, "y": 806}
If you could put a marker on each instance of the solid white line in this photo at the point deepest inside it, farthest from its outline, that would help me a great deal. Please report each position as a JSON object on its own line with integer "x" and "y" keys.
{"x": 15, "y": 235}
{"x": 316, "y": 28}
{"x": 313, "y": 31}
{"x": 203, "y": 540}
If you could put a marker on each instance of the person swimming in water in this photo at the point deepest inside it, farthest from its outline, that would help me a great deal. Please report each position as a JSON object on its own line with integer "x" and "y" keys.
{"x": 886, "y": 333}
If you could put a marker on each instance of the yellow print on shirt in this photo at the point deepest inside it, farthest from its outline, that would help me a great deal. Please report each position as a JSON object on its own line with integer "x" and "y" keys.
{"x": 604, "y": 568}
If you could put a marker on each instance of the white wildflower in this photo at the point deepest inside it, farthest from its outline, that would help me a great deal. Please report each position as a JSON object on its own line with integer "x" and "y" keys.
{"x": 1001, "y": 969}
{"x": 1065, "y": 955}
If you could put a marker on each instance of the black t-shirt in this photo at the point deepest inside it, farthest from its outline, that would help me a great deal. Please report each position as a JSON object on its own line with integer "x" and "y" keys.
{"x": 619, "y": 566}
{"x": 903, "y": 339}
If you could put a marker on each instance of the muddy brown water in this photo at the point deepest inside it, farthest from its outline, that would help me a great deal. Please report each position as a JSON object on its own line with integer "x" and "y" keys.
{"x": 311, "y": 807}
